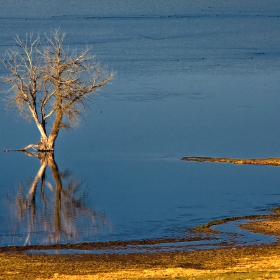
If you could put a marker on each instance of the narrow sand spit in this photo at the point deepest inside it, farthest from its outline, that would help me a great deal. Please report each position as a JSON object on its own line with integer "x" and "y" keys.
{"x": 253, "y": 161}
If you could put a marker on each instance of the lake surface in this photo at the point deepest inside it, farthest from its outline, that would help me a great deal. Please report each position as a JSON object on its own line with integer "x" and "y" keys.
{"x": 193, "y": 78}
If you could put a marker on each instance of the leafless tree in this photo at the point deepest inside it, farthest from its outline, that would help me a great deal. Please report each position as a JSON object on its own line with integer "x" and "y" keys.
{"x": 51, "y": 84}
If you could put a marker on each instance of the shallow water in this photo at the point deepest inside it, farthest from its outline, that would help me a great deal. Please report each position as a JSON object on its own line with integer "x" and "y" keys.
{"x": 192, "y": 79}
{"x": 229, "y": 235}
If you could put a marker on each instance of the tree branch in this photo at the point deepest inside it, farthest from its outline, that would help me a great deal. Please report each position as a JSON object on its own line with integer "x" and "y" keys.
{"x": 48, "y": 81}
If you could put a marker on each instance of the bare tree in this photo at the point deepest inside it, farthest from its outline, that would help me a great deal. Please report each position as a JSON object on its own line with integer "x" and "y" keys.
{"x": 49, "y": 83}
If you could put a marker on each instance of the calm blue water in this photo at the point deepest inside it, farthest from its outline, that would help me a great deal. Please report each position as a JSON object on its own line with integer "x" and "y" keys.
{"x": 193, "y": 78}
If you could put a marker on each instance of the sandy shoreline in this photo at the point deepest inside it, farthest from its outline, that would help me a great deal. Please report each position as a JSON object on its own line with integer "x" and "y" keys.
{"x": 259, "y": 262}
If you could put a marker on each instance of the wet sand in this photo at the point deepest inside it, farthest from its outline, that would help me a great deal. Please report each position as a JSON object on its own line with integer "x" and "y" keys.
{"x": 269, "y": 226}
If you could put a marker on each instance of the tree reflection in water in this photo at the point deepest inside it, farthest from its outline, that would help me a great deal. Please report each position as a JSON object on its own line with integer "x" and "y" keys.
{"x": 53, "y": 212}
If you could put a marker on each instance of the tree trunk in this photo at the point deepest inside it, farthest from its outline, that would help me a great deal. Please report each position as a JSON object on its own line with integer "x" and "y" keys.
{"x": 46, "y": 144}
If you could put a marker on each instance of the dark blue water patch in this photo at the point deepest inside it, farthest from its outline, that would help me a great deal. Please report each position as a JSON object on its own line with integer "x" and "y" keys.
{"x": 142, "y": 199}
{"x": 184, "y": 86}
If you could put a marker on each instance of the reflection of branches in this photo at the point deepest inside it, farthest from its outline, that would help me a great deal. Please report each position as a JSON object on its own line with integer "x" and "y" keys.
{"x": 55, "y": 208}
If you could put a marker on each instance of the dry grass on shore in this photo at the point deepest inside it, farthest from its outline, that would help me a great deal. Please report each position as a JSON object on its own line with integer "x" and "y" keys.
{"x": 243, "y": 263}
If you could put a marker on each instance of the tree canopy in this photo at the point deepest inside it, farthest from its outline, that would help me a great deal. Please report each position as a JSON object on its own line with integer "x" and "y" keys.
{"x": 49, "y": 82}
